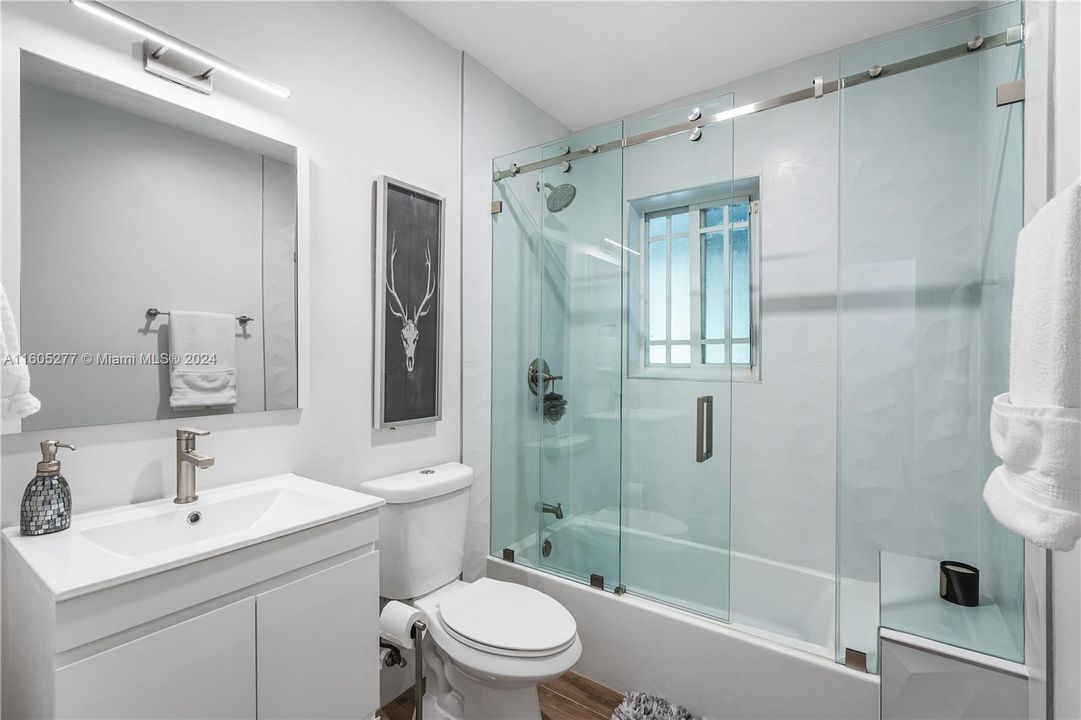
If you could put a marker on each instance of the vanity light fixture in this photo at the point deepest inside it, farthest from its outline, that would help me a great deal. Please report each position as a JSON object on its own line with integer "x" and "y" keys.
{"x": 168, "y": 43}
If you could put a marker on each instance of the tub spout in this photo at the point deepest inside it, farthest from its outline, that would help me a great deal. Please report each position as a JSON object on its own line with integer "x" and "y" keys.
{"x": 556, "y": 509}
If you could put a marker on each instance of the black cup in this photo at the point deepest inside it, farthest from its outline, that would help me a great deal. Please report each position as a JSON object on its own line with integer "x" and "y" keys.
{"x": 959, "y": 583}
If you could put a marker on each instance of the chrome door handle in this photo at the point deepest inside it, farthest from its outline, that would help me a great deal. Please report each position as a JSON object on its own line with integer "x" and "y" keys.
{"x": 704, "y": 423}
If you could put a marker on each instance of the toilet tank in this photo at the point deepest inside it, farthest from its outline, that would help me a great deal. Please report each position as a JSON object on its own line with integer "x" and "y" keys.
{"x": 421, "y": 528}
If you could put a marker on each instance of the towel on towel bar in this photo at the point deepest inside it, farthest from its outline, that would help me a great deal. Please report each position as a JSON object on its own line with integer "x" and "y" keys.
{"x": 1036, "y": 426}
{"x": 203, "y": 350}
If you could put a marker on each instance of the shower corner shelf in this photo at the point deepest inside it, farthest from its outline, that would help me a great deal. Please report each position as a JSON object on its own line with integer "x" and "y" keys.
{"x": 910, "y": 604}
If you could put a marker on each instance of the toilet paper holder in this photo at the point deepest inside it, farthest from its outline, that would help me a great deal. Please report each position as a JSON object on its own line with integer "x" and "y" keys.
{"x": 394, "y": 657}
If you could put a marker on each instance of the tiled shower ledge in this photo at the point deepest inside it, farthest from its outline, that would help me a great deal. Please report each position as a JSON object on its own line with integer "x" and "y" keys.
{"x": 910, "y": 604}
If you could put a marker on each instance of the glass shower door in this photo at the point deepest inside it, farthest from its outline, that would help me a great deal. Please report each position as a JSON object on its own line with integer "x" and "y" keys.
{"x": 556, "y": 341}
{"x": 688, "y": 282}
{"x": 931, "y": 204}
{"x": 580, "y": 313}
{"x": 517, "y": 249}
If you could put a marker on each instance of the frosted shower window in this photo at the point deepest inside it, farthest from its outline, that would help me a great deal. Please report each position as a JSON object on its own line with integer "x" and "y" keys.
{"x": 700, "y": 304}
{"x": 669, "y": 287}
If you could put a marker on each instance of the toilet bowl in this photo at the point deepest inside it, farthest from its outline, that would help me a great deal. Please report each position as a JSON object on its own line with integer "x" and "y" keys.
{"x": 492, "y": 644}
{"x": 489, "y": 643}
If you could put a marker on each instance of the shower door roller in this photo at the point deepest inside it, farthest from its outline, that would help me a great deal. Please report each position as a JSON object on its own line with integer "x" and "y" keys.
{"x": 703, "y": 449}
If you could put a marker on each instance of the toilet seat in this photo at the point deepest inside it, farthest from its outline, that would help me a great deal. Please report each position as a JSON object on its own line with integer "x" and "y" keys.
{"x": 506, "y": 619}
{"x": 472, "y": 665}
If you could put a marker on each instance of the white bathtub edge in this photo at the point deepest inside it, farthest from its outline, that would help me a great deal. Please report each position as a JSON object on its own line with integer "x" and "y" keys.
{"x": 632, "y": 643}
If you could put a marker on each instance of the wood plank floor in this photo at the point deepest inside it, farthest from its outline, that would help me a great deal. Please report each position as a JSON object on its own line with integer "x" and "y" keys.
{"x": 570, "y": 697}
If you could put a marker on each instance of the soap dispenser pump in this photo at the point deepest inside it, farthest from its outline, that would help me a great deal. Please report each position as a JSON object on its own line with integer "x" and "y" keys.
{"x": 46, "y": 506}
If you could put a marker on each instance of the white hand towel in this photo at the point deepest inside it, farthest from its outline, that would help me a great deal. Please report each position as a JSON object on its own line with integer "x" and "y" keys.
{"x": 15, "y": 378}
{"x": 1036, "y": 427}
{"x": 203, "y": 346}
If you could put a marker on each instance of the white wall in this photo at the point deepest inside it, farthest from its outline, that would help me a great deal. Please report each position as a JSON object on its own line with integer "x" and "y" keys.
{"x": 1067, "y": 566}
{"x": 373, "y": 93}
{"x": 1052, "y": 161}
{"x": 496, "y": 120}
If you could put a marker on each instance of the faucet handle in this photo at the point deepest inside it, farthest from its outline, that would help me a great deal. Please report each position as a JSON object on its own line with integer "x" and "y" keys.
{"x": 190, "y": 433}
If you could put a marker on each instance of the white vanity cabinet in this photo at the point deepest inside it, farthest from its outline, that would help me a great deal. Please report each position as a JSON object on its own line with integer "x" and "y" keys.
{"x": 315, "y": 640}
{"x": 286, "y": 627}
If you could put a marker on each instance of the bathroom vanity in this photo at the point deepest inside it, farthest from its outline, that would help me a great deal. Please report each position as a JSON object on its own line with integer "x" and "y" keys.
{"x": 260, "y": 600}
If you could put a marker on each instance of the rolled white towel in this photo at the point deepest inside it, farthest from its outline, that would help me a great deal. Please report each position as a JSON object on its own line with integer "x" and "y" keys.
{"x": 1036, "y": 427}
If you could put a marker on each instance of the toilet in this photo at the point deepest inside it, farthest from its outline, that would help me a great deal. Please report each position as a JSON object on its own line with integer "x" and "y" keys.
{"x": 489, "y": 643}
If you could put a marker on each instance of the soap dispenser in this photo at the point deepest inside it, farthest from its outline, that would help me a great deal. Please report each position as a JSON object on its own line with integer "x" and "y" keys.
{"x": 46, "y": 506}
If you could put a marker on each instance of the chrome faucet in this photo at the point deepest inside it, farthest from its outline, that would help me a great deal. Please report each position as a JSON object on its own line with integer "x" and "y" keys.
{"x": 187, "y": 460}
{"x": 556, "y": 509}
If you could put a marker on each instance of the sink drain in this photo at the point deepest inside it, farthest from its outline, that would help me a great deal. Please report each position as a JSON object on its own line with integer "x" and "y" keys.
{"x": 194, "y": 517}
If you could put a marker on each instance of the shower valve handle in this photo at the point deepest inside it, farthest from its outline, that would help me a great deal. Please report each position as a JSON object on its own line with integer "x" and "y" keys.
{"x": 537, "y": 374}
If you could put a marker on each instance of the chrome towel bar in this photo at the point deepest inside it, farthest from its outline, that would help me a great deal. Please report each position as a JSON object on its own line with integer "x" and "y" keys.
{"x": 154, "y": 312}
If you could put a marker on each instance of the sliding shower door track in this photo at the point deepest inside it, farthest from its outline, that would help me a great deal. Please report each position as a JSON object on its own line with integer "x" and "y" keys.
{"x": 818, "y": 89}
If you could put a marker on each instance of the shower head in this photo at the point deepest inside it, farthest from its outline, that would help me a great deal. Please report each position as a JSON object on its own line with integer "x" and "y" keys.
{"x": 560, "y": 197}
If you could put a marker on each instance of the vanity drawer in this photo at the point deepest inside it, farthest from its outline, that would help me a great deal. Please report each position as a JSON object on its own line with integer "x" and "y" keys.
{"x": 176, "y": 672}
{"x": 199, "y": 586}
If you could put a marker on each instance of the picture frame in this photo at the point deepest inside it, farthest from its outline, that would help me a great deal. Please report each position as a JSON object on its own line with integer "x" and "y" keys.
{"x": 408, "y": 230}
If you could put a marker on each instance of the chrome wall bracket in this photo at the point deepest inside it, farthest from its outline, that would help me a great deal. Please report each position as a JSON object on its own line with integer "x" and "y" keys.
{"x": 819, "y": 86}
{"x": 497, "y": 207}
{"x": 157, "y": 60}
{"x": 1015, "y": 34}
{"x": 1009, "y": 93}
{"x": 856, "y": 660}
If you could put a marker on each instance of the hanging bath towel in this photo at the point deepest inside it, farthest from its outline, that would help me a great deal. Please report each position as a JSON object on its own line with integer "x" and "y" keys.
{"x": 203, "y": 373}
{"x": 1036, "y": 426}
{"x": 15, "y": 381}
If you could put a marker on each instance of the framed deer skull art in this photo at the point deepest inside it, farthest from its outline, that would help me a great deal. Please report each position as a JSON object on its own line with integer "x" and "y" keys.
{"x": 408, "y": 304}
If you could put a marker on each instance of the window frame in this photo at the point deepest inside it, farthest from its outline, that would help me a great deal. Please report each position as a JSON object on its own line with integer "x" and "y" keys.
{"x": 696, "y": 368}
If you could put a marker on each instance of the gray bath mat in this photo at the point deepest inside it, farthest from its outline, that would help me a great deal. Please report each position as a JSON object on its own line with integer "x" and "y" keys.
{"x": 643, "y": 706}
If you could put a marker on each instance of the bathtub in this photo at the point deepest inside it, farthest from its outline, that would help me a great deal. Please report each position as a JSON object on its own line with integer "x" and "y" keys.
{"x": 773, "y": 659}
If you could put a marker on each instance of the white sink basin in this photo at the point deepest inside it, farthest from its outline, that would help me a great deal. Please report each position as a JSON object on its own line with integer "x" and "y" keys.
{"x": 107, "y": 547}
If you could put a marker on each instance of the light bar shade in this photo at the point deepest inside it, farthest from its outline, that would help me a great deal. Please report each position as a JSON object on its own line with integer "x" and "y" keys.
{"x": 177, "y": 45}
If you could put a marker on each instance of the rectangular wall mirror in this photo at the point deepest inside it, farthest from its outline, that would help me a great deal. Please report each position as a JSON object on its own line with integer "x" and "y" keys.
{"x": 132, "y": 204}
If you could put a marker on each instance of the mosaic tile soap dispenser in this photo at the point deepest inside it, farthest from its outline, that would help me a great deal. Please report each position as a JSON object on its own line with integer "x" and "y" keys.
{"x": 46, "y": 506}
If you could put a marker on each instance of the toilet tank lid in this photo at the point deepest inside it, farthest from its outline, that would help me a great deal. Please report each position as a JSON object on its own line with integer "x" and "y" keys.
{"x": 421, "y": 484}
